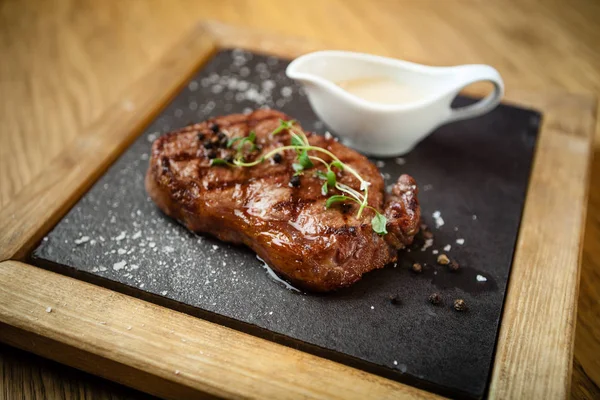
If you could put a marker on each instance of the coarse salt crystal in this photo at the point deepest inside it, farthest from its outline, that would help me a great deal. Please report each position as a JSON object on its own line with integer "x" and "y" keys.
{"x": 380, "y": 164}
{"x": 121, "y": 236}
{"x": 428, "y": 244}
{"x": 137, "y": 235}
{"x": 460, "y": 241}
{"x": 434, "y": 252}
{"x": 400, "y": 161}
{"x": 447, "y": 247}
{"x": 372, "y": 308}
{"x": 439, "y": 221}
{"x": 48, "y": 309}
{"x": 119, "y": 265}
{"x": 395, "y": 362}
{"x": 481, "y": 278}
{"x": 82, "y": 240}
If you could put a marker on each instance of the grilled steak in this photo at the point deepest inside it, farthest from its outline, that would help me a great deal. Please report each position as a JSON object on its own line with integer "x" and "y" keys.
{"x": 281, "y": 217}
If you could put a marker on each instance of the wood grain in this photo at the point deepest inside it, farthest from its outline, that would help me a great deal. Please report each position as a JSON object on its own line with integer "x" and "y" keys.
{"x": 129, "y": 340}
{"x": 67, "y": 62}
{"x": 25, "y": 220}
{"x": 534, "y": 352}
{"x": 27, "y": 376}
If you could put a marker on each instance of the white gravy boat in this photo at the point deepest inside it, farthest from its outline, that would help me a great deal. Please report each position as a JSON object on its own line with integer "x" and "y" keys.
{"x": 387, "y": 128}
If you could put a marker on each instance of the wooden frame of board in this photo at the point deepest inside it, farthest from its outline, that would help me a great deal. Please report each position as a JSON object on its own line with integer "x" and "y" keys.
{"x": 173, "y": 355}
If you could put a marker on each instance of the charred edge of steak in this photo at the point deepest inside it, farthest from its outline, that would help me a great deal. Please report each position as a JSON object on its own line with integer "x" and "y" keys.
{"x": 402, "y": 212}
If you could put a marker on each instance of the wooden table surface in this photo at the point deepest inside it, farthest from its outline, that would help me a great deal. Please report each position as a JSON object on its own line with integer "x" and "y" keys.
{"x": 62, "y": 63}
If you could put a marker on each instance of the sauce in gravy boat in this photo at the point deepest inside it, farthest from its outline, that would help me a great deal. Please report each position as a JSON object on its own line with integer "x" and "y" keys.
{"x": 383, "y": 106}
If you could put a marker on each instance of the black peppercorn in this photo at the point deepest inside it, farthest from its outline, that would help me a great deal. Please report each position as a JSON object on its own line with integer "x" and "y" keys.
{"x": 277, "y": 158}
{"x": 201, "y": 136}
{"x": 435, "y": 299}
{"x": 345, "y": 208}
{"x": 427, "y": 234}
{"x": 211, "y": 154}
{"x": 222, "y": 139}
{"x": 295, "y": 181}
{"x": 214, "y": 128}
{"x": 208, "y": 145}
{"x": 453, "y": 266}
{"x": 460, "y": 305}
{"x": 229, "y": 159}
{"x": 395, "y": 300}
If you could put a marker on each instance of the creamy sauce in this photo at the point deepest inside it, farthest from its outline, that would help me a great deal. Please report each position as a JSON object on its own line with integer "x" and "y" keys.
{"x": 381, "y": 90}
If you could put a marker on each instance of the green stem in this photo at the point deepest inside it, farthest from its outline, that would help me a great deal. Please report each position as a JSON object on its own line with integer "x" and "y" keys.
{"x": 319, "y": 159}
{"x": 308, "y": 147}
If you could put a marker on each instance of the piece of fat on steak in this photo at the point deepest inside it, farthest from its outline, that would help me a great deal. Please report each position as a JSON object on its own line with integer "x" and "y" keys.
{"x": 282, "y": 218}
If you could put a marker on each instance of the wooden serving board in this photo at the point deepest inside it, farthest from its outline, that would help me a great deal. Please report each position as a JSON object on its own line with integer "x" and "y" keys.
{"x": 116, "y": 237}
{"x": 564, "y": 143}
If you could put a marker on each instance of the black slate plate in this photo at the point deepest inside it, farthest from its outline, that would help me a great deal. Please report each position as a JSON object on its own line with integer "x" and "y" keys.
{"x": 474, "y": 173}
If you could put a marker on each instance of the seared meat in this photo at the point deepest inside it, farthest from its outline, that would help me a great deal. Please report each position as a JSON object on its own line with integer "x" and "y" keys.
{"x": 281, "y": 217}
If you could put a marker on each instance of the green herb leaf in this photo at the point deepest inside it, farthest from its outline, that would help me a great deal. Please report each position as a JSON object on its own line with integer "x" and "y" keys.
{"x": 324, "y": 189}
{"x": 282, "y": 126}
{"x": 297, "y": 140}
{"x": 331, "y": 180}
{"x": 251, "y": 138}
{"x": 232, "y": 141}
{"x": 336, "y": 198}
{"x": 321, "y": 175}
{"x": 243, "y": 142}
{"x": 217, "y": 161}
{"x": 379, "y": 223}
{"x": 337, "y": 164}
{"x": 304, "y": 160}
{"x": 297, "y": 167}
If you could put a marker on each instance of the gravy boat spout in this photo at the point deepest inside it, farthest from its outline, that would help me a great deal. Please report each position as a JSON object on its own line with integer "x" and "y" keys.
{"x": 383, "y": 106}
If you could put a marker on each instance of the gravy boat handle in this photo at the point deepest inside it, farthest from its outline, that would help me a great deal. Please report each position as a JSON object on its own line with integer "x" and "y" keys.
{"x": 468, "y": 74}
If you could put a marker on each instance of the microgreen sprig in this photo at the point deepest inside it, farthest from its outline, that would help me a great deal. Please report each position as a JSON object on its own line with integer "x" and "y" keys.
{"x": 304, "y": 161}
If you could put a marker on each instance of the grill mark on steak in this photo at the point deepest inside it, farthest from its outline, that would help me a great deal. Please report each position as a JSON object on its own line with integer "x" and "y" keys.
{"x": 312, "y": 247}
